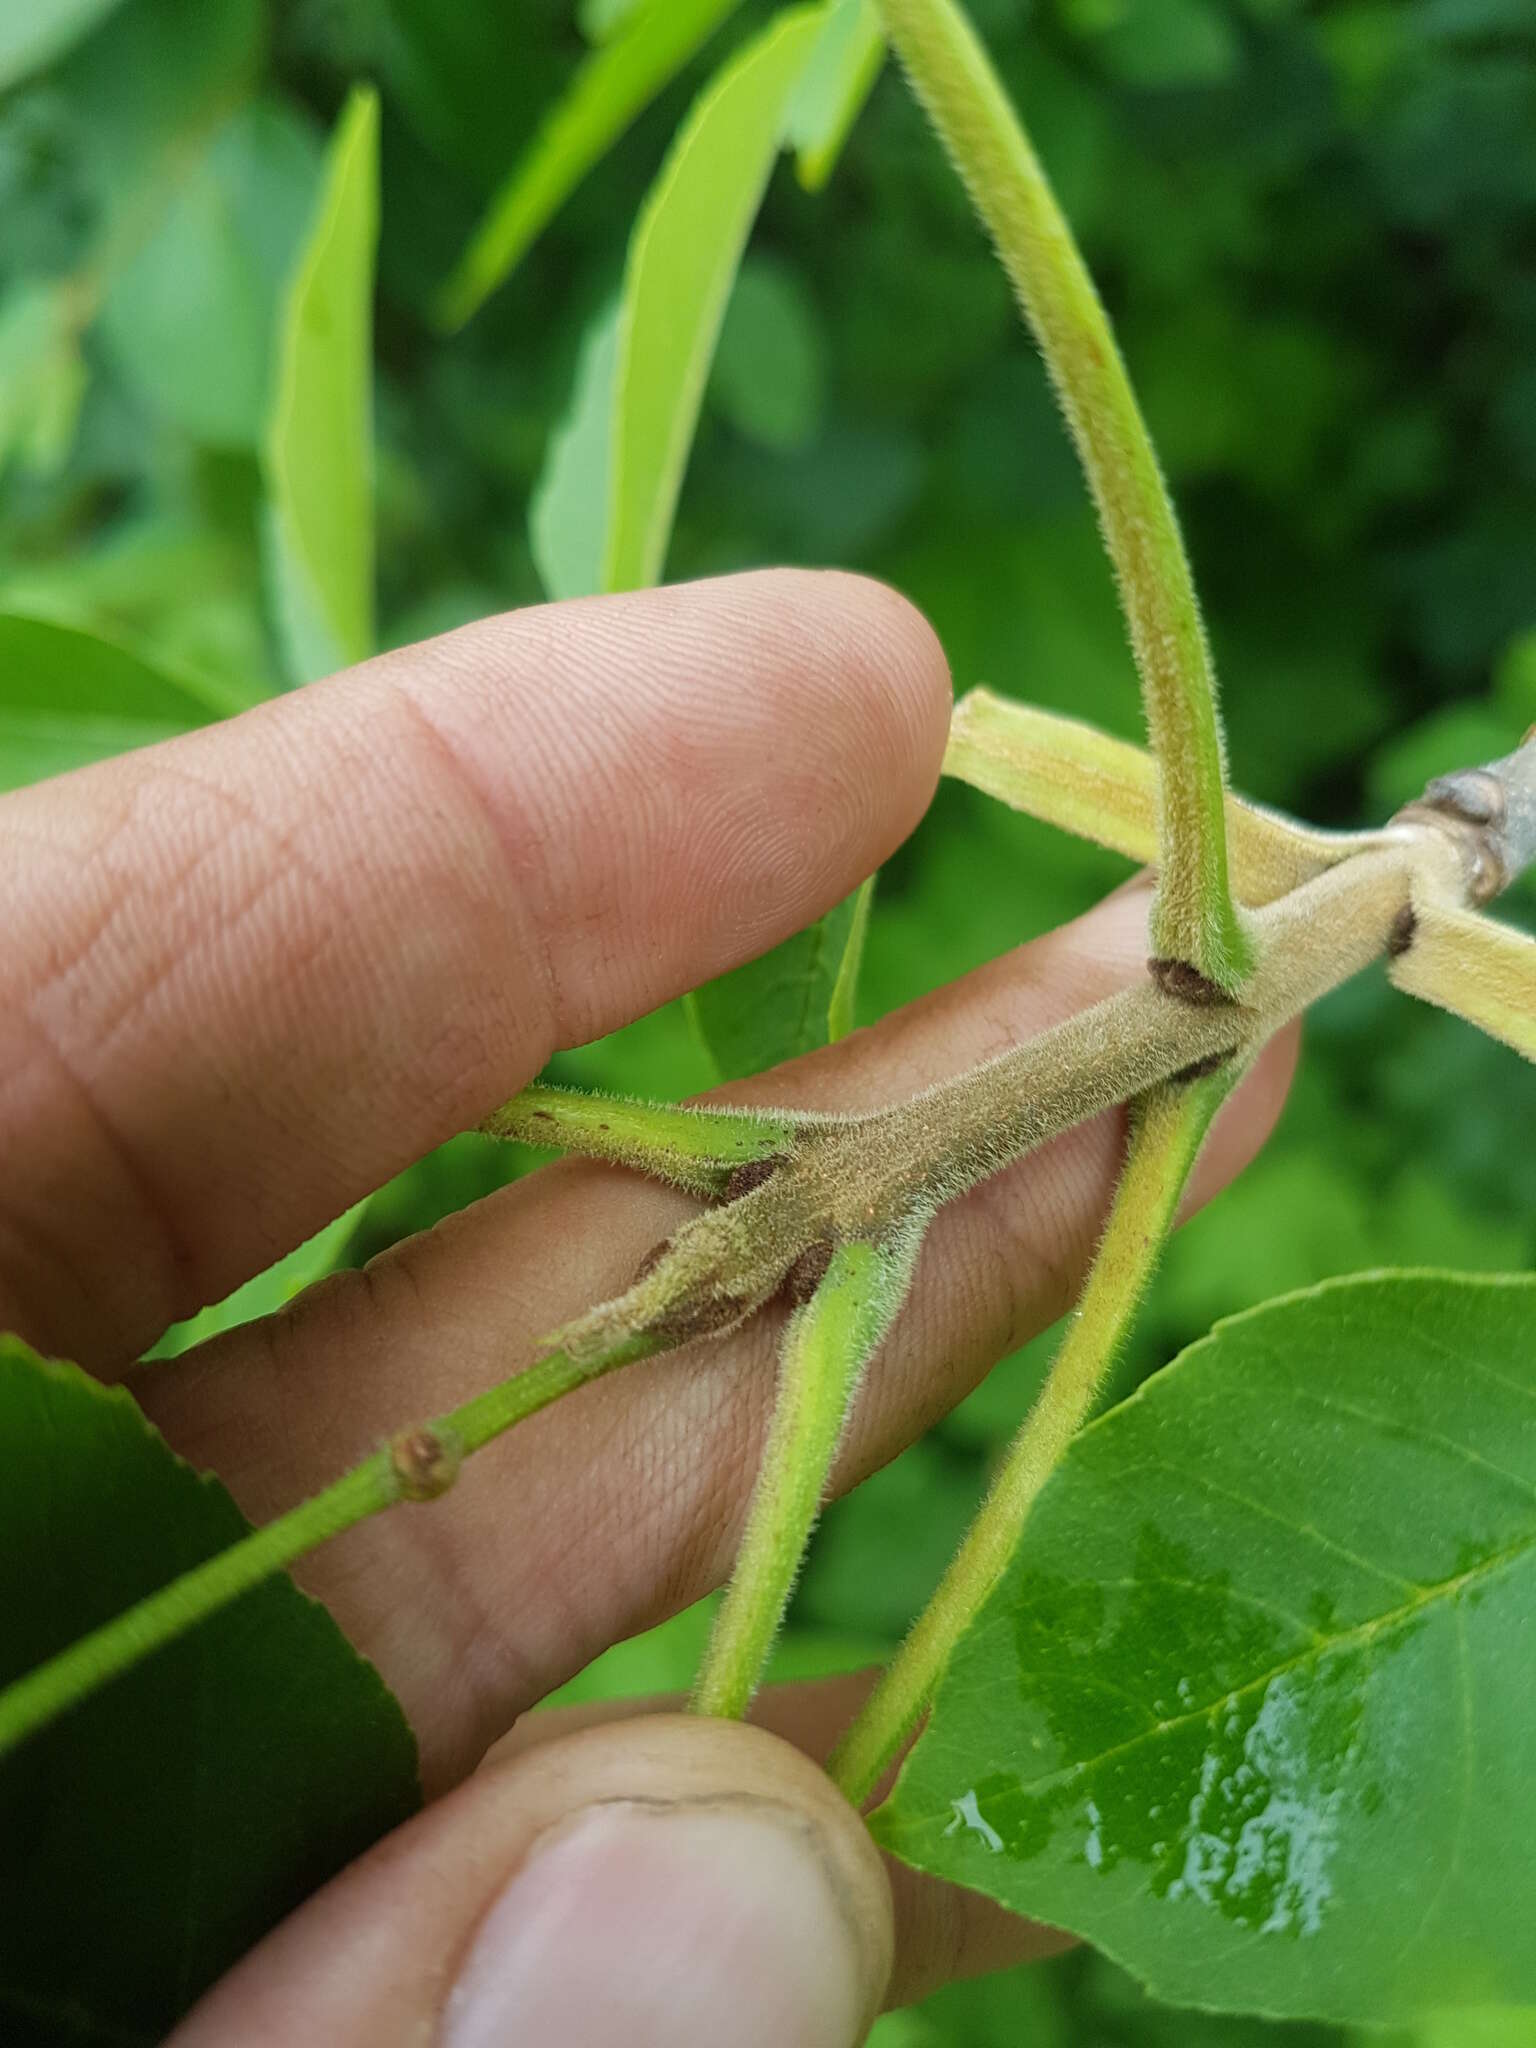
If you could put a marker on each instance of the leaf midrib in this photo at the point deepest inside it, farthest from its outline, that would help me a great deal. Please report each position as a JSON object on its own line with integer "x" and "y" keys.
{"x": 1362, "y": 1632}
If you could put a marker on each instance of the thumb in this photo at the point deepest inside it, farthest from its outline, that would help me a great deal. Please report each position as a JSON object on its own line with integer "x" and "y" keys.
{"x": 664, "y": 1880}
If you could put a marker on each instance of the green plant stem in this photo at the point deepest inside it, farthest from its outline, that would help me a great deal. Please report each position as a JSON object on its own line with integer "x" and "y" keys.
{"x": 1169, "y": 1126}
{"x": 417, "y": 1464}
{"x": 1195, "y": 919}
{"x": 829, "y": 1342}
{"x": 693, "y": 1149}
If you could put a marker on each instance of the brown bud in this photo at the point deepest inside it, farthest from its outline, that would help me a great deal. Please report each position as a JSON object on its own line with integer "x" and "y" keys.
{"x": 703, "y": 1318}
{"x": 807, "y": 1272}
{"x": 1198, "y": 1069}
{"x": 651, "y": 1261}
{"x": 1177, "y": 978}
{"x": 750, "y": 1174}
{"x": 426, "y": 1461}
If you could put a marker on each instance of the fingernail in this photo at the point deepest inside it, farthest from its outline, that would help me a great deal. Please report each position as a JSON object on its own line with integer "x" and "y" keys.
{"x": 669, "y": 1925}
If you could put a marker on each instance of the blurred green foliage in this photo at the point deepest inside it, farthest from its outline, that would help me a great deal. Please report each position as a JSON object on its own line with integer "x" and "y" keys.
{"x": 1314, "y": 225}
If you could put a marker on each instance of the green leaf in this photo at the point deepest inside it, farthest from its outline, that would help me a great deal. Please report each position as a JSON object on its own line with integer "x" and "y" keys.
{"x": 1251, "y": 1709}
{"x": 191, "y": 62}
{"x": 183, "y": 594}
{"x": 788, "y": 1001}
{"x": 215, "y": 1786}
{"x": 648, "y": 49}
{"x": 265, "y": 1293}
{"x": 34, "y": 32}
{"x": 770, "y": 364}
{"x": 67, "y": 697}
{"x": 845, "y": 989}
{"x": 191, "y": 320}
{"x": 568, "y": 513}
{"x": 838, "y": 80}
{"x": 319, "y": 443}
{"x": 682, "y": 262}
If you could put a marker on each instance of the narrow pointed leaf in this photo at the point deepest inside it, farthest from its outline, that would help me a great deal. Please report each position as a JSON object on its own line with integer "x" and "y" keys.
{"x": 319, "y": 442}
{"x": 1475, "y": 967}
{"x": 838, "y": 80}
{"x": 1251, "y": 1710}
{"x": 843, "y": 1007}
{"x": 682, "y": 262}
{"x": 645, "y": 52}
{"x": 265, "y": 1293}
{"x": 568, "y": 514}
{"x": 215, "y": 1786}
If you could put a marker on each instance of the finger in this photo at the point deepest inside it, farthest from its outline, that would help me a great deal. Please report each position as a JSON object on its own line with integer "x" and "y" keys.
{"x": 625, "y": 1502}
{"x": 663, "y": 1883}
{"x": 943, "y": 1932}
{"x": 253, "y": 972}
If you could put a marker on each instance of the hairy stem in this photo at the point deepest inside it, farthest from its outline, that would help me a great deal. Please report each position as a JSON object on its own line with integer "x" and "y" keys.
{"x": 829, "y": 1342}
{"x": 1168, "y": 1128}
{"x": 693, "y": 1149}
{"x": 1072, "y": 775}
{"x": 418, "y": 1464}
{"x": 842, "y": 1179}
{"x": 1195, "y": 920}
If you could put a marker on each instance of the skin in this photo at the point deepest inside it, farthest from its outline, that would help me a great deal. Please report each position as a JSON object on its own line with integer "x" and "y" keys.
{"x": 255, "y": 971}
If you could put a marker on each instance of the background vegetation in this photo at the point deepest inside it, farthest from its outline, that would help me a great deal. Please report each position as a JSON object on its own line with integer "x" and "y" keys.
{"x": 1315, "y": 226}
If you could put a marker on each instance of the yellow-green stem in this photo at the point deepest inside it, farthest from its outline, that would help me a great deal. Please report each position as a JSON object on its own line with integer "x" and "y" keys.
{"x": 417, "y": 1464}
{"x": 1169, "y": 1125}
{"x": 1195, "y": 920}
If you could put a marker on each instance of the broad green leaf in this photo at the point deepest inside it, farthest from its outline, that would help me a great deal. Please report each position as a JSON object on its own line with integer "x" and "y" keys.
{"x": 568, "y": 514}
{"x": 785, "y": 1002}
{"x": 319, "y": 443}
{"x": 215, "y": 1786}
{"x": 191, "y": 319}
{"x": 34, "y": 32}
{"x": 1251, "y": 1709}
{"x": 682, "y": 262}
{"x": 67, "y": 698}
{"x": 770, "y": 362}
{"x": 266, "y": 1293}
{"x": 838, "y": 80}
{"x": 648, "y": 48}
{"x": 1477, "y": 2027}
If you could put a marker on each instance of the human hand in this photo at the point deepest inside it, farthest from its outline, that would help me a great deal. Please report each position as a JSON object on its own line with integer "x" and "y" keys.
{"x": 256, "y": 971}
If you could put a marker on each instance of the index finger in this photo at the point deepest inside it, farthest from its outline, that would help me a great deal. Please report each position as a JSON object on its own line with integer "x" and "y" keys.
{"x": 255, "y": 971}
